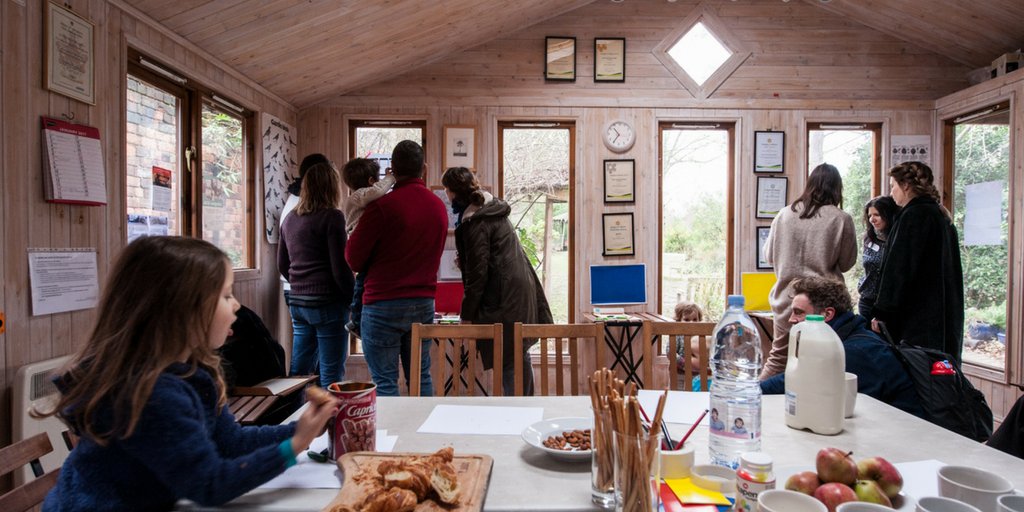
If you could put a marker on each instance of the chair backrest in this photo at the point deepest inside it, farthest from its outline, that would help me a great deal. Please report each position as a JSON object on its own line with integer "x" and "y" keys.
{"x": 569, "y": 334}
{"x": 17, "y": 455}
{"x": 696, "y": 340}
{"x": 462, "y": 339}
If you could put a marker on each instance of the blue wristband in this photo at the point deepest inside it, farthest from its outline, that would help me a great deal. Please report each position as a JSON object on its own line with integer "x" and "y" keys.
{"x": 285, "y": 448}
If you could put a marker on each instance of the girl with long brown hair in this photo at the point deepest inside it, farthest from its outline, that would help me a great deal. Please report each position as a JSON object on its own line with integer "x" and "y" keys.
{"x": 146, "y": 394}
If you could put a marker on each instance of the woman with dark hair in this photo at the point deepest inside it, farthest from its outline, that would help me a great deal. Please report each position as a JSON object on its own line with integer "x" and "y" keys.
{"x": 879, "y": 215}
{"x": 921, "y": 287}
{"x": 813, "y": 236}
{"x": 500, "y": 284}
{"x": 311, "y": 256}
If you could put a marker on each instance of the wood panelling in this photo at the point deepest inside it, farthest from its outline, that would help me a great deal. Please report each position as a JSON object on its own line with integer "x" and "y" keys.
{"x": 28, "y": 221}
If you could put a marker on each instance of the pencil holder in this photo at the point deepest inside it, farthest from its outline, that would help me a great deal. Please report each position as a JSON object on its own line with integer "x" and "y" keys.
{"x": 677, "y": 463}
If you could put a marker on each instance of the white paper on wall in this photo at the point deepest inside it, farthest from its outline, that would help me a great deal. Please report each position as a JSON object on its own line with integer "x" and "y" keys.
{"x": 983, "y": 220}
{"x": 62, "y": 280}
{"x": 911, "y": 148}
{"x": 280, "y": 168}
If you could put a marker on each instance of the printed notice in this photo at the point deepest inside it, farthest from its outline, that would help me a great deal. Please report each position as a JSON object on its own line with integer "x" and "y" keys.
{"x": 983, "y": 222}
{"x": 62, "y": 280}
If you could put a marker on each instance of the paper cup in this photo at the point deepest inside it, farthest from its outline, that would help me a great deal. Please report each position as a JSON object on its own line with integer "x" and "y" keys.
{"x": 354, "y": 428}
{"x": 936, "y": 504}
{"x": 677, "y": 463}
{"x": 779, "y": 500}
{"x": 1011, "y": 503}
{"x": 851, "y": 394}
{"x": 973, "y": 486}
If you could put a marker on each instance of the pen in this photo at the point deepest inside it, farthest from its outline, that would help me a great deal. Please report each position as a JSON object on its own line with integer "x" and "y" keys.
{"x": 664, "y": 428}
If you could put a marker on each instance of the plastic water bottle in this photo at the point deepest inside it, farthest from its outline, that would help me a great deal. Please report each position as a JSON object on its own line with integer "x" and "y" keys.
{"x": 735, "y": 391}
{"x": 815, "y": 378}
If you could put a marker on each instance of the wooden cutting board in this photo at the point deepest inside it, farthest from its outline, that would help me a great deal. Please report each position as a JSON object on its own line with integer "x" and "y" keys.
{"x": 474, "y": 472}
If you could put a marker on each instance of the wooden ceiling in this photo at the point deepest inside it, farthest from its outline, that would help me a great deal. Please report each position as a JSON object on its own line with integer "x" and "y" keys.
{"x": 308, "y": 51}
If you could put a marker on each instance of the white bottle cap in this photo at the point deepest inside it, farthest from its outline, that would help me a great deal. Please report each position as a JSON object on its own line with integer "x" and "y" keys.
{"x": 757, "y": 461}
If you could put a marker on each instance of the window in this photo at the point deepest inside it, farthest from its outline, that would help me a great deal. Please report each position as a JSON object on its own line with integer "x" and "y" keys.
{"x": 695, "y": 198}
{"x": 375, "y": 139}
{"x": 855, "y": 149}
{"x": 189, "y": 162}
{"x": 978, "y": 152}
{"x": 535, "y": 176}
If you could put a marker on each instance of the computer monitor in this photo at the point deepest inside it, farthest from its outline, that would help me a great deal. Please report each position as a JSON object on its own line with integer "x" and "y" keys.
{"x": 612, "y": 285}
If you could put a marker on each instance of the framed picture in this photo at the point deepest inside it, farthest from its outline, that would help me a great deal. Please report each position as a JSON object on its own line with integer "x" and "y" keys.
{"x": 619, "y": 181}
{"x": 560, "y": 58}
{"x": 459, "y": 147}
{"x": 70, "y": 60}
{"x": 771, "y": 196}
{"x": 769, "y": 151}
{"x": 617, "y": 229}
{"x": 762, "y": 257}
{"x": 610, "y": 59}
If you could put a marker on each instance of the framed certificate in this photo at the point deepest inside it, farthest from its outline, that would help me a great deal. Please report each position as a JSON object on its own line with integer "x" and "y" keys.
{"x": 459, "y": 147}
{"x": 560, "y": 58}
{"x": 609, "y": 59}
{"x": 617, "y": 229}
{"x": 619, "y": 181}
{"x": 771, "y": 196}
{"x": 70, "y": 60}
{"x": 762, "y": 257}
{"x": 769, "y": 151}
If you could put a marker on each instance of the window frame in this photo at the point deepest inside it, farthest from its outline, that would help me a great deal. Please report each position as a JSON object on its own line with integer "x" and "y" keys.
{"x": 730, "y": 215}
{"x": 384, "y": 122}
{"x": 190, "y": 201}
{"x": 549, "y": 124}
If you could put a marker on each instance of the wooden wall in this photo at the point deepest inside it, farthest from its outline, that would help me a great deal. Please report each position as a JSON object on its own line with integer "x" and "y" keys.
{"x": 28, "y": 221}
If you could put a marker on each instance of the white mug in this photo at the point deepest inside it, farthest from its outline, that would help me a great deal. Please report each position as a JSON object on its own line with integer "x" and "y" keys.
{"x": 972, "y": 485}
{"x": 780, "y": 500}
{"x": 677, "y": 463}
{"x": 1011, "y": 503}
{"x": 851, "y": 394}
{"x": 860, "y": 506}
{"x": 936, "y": 504}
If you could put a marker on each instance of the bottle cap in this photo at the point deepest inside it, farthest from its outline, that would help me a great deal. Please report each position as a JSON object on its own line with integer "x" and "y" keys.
{"x": 735, "y": 300}
{"x": 815, "y": 318}
{"x": 756, "y": 461}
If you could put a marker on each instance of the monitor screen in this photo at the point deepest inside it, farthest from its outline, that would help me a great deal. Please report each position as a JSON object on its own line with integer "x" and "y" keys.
{"x": 618, "y": 284}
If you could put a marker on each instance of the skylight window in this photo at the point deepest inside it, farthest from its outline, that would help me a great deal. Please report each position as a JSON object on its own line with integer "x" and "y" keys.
{"x": 699, "y": 53}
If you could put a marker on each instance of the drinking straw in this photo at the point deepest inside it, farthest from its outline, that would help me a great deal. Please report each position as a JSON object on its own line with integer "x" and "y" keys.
{"x": 692, "y": 427}
{"x": 664, "y": 428}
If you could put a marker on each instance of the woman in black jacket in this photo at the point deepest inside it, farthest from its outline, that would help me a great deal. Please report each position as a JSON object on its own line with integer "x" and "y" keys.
{"x": 500, "y": 284}
{"x": 921, "y": 288}
{"x": 879, "y": 215}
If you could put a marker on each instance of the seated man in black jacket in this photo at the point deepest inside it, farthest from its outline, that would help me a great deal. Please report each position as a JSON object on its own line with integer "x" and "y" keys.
{"x": 879, "y": 374}
{"x": 1009, "y": 437}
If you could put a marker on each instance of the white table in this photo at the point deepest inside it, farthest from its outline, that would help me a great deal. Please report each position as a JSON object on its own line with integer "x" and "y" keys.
{"x": 526, "y": 479}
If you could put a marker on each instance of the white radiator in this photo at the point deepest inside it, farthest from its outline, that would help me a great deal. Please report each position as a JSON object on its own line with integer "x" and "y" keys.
{"x": 32, "y": 387}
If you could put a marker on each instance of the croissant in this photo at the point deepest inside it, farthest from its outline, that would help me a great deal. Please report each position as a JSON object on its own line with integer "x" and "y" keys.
{"x": 404, "y": 475}
{"x": 390, "y": 500}
{"x": 446, "y": 484}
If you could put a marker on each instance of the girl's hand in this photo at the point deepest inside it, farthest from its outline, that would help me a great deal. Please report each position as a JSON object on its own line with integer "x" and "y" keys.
{"x": 312, "y": 423}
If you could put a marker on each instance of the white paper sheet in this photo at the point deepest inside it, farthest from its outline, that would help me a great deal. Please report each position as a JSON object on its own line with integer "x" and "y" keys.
{"x": 309, "y": 474}
{"x": 483, "y": 420}
{"x": 62, "y": 280}
{"x": 680, "y": 407}
{"x": 983, "y": 221}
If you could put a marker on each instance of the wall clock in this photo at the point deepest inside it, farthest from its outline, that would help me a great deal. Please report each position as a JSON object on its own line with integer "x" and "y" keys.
{"x": 619, "y": 136}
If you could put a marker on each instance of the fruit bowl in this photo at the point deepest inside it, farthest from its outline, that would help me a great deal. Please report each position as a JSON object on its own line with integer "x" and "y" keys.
{"x": 901, "y": 502}
{"x": 536, "y": 434}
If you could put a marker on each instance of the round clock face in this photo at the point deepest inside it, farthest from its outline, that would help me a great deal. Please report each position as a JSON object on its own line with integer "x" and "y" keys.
{"x": 619, "y": 136}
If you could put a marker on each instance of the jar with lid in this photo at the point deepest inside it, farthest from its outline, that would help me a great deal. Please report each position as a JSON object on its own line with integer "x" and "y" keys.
{"x": 753, "y": 477}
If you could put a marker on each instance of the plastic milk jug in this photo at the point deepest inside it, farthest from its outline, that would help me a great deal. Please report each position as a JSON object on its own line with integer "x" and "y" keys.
{"x": 815, "y": 378}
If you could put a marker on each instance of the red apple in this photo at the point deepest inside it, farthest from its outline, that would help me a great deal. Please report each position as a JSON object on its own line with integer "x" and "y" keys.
{"x": 882, "y": 472}
{"x": 834, "y": 494}
{"x": 835, "y": 465}
{"x": 869, "y": 491}
{"x": 805, "y": 482}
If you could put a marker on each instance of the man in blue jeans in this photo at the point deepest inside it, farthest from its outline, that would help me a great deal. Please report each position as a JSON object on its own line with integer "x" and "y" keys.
{"x": 397, "y": 245}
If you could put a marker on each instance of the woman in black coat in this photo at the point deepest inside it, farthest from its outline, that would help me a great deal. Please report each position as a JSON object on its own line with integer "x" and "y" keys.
{"x": 500, "y": 284}
{"x": 921, "y": 289}
{"x": 879, "y": 215}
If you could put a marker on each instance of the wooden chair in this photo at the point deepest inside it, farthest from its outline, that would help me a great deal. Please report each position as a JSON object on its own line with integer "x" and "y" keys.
{"x": 701, "y": 331}
{"x": 463, "y": 338}
{"x": 571, "y": 335}
{"x": 17, "y": 455}
{"x": 249, "y": 404}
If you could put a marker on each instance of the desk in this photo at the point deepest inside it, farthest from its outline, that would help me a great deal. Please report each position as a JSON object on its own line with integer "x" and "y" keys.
{"x": 875, "y": 429}
{"x": 620, "y": 336}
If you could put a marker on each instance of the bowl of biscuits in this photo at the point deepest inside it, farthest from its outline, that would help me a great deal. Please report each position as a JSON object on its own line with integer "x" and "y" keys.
{"x": 562, "y": 438}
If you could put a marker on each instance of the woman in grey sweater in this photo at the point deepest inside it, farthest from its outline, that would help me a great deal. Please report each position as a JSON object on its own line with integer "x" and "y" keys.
{"x": 813, "y": 236}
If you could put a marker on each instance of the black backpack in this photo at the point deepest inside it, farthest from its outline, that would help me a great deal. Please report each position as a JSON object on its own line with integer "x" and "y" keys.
{"x": 251, "y": 354}
{"x": 949, "y": 400}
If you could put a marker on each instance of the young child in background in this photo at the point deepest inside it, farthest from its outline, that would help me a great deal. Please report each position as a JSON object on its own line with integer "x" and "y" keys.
{"x": 687, "y": 311}
{"x": 361, "y": 177}
{"x": 146, "y": 395}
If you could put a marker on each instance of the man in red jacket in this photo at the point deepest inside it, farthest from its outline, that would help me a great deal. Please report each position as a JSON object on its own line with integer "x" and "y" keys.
{"x": 398, "y": 244}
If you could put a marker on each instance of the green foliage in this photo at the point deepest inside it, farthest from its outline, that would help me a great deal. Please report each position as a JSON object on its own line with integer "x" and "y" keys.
{"x": 994, "y": 315}
{"x": 222, "y": 151}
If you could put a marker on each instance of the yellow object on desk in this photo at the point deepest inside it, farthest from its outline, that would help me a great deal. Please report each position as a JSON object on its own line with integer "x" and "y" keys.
{"x": 756, "y": 286}
{"x": 689, "y": 494}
